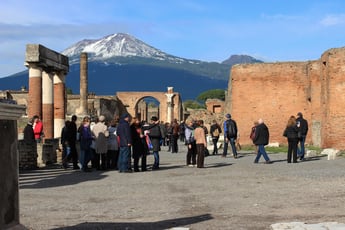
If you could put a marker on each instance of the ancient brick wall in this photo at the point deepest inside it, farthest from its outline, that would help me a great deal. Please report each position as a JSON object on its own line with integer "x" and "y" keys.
{"x": 215, "y": 105}
{"x": 333, "y": 97}
{"x": 275, "y": 91}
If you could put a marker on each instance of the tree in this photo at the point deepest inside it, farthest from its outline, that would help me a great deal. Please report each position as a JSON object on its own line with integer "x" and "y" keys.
{"x": 69, "y": 91}
{"x": 211, "y": 94}
{"x": 191, "y": 104}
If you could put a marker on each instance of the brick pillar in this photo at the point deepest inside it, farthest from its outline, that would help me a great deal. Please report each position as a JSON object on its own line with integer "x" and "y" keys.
{"x": 35, "y": 91}
{"x": 47, "y": 104}
{"x": 59, "y": 103}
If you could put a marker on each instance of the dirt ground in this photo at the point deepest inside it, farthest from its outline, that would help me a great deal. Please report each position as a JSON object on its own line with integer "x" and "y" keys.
{"x": 227, "y": 194}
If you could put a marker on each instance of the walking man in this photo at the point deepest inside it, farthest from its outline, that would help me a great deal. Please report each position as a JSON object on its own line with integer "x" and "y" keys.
{"x": 261, "y": 139}
{"x": 230, "y": 135}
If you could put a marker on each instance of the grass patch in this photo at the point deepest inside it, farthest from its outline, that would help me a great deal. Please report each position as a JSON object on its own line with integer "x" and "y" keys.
{"x": 280, "y": 149}
{"x": 284, "y": 149}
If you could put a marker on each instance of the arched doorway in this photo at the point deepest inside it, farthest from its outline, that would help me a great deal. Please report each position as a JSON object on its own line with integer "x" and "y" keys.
{"x": 170, "y": 103}
{"x": 147, "y": 107}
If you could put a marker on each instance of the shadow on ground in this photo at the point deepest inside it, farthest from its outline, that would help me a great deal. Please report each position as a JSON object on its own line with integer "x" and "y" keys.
{"x": 159, "y": 225}
{"x": 55, "y": 177}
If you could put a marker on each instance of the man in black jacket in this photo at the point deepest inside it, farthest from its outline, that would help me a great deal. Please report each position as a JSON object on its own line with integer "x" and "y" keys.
{"x": 303, "y": 128}
{"x": 261, "y": 139}
{"x": 230, "y": 135}
{"x": 29, "y": 136}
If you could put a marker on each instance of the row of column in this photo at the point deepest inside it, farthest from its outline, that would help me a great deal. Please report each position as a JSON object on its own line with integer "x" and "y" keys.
{"x": 46, "y": 99}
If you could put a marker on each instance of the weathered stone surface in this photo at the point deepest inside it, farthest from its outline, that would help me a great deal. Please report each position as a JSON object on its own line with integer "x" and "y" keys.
{"x": 9, "y": 208}
{"x": 304, "y": 226}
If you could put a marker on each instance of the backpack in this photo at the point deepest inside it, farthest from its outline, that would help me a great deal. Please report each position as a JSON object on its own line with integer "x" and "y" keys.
{"x": 216, "y": 132}
{"x": 232, "y": 132}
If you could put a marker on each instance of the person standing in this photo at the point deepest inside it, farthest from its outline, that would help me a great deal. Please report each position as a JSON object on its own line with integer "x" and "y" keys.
{"x": 291, "y": 133}
{"x": 113, "y": 147}
{"x": 200, "y": 140}
{"x": 124, "y": 133}
{"x": 303, "y": 129}
{"x": 85, "y": 143}
{"x": 190, "y": 142}
{"x": 215, "y": 131}
{"x": 155, "y": 136}
{"x": 261, "y": 139}
{"x": 71, "y": 137}
{"x": 174, "y": 137}
{"x": 138, "y": 148}
{"x": 66, "y": 149}
{"x": 230, "y": 135}
{"x": 100, "y": 133}
{"x": 29, "y": 136}
{"x": 164, "y": 133}
{"x": 182, "y": 127}
{"x": 38, "y": 128}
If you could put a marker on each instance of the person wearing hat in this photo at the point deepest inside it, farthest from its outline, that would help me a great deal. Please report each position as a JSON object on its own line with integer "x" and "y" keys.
{"x": 303, "y": 129}
{"x": 230, "y": 135}
{"x": 29, "y": 136}
{"x": 100, "y": 133}
{"x": 155, "y": 135}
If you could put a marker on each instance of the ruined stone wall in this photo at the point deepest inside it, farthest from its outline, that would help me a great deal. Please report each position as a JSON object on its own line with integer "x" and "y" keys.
{"x": 275, "y": 91}
{"x": 214, "y": 105}
{"x": 109, "y": 106}
{"x": 333, "y": 97}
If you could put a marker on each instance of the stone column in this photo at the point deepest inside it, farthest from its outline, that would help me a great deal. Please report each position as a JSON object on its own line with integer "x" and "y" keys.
{"x": 35, "y": 91}
{"x": 83, "y": 109}
{"x": 170, "y": 104}
{"x": 59, "y": 103}
{"x": 9, "y": 189}
{"x": 47, "y": 104}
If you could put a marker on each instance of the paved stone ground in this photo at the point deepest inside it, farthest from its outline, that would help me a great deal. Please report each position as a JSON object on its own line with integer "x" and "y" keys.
{"x": 227, "y": 194}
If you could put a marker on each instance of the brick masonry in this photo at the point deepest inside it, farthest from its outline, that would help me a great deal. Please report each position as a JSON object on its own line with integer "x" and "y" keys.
{"x": 275, "y": 91}
{"x": 35, "y": 97}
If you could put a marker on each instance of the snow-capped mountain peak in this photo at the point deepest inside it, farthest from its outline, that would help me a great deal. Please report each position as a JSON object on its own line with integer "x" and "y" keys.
{"x": 115, "y": 45}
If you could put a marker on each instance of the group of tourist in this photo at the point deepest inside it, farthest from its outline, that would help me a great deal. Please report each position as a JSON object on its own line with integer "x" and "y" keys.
{"x": 113, "y": 145}
{"x": 295, "y": 131}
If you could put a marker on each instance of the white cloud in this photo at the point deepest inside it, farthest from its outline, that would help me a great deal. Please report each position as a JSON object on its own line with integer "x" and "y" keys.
{"x": 333, "y": 20}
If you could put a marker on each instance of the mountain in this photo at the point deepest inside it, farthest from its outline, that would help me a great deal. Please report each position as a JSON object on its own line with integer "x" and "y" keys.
{"x": 120, "y": 62}
{"x": 236, "y": 59}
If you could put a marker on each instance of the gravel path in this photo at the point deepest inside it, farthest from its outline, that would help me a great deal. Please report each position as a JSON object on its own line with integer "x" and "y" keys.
{"x": 227, "y": 194}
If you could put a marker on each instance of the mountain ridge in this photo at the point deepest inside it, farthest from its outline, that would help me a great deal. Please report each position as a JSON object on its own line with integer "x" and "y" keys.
{"x": 117, "y": 60}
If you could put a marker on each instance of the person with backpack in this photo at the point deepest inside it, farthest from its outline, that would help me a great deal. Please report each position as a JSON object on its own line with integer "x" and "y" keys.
{"x": 230, "y": 135}
{"x": 215, "y": 131}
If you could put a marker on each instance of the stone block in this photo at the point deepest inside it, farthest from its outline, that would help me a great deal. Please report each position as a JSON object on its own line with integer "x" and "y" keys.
{"x": 311, "y": 153}
{"x": 331, "y": 153}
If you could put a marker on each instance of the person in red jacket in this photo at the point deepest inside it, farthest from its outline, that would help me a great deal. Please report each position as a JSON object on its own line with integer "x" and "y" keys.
{"x": 38, "y": 128}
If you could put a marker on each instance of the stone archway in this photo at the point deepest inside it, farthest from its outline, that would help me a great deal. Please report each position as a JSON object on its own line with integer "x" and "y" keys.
{"x": 170, "y": 103}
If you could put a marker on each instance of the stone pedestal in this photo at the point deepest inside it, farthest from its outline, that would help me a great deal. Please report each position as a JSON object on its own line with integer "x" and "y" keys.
{"x": 9, "y": 190}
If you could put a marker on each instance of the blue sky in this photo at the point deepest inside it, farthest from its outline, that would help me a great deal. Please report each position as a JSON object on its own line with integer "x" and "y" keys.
{"x": 271, "y": 30}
